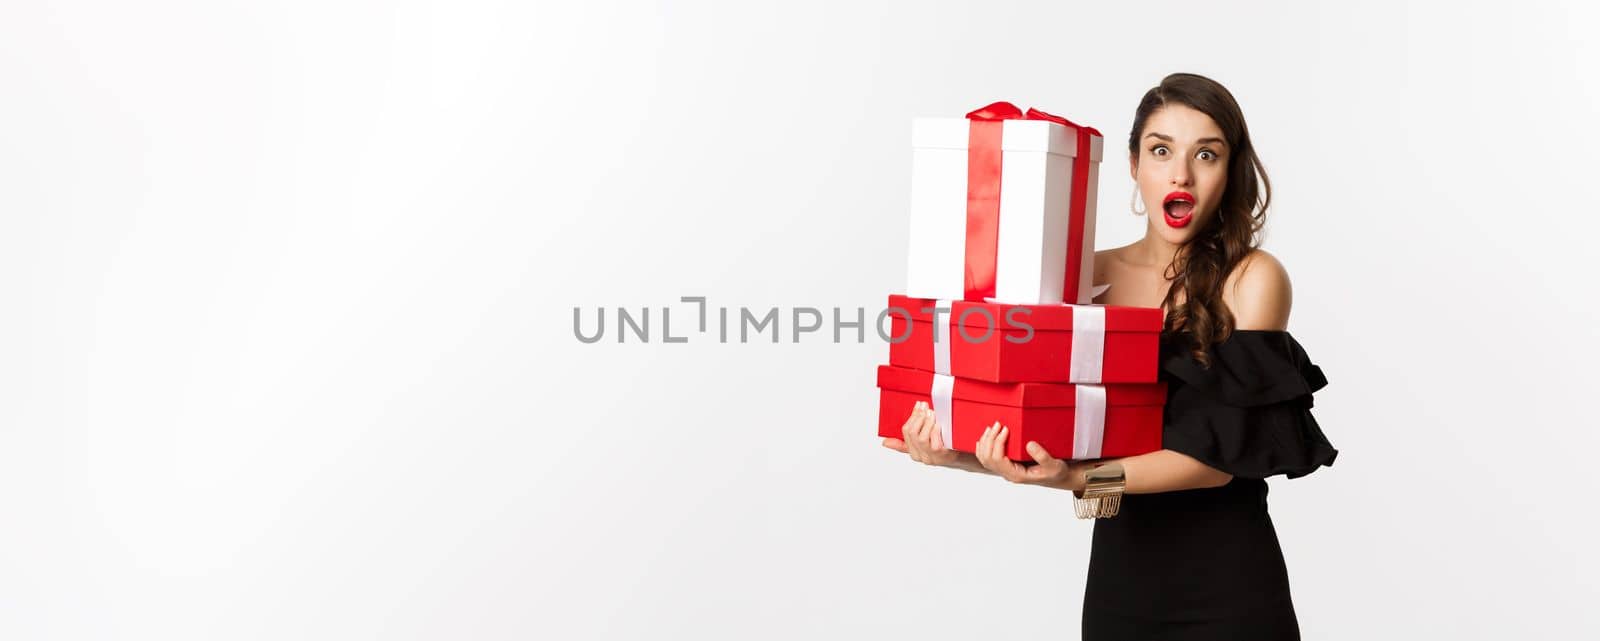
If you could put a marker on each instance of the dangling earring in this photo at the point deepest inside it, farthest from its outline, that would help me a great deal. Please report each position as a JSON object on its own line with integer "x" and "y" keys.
{"x": 1140, "y": 210}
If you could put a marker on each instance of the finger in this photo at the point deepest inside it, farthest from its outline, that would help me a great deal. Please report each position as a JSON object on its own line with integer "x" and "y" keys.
{"x": 916, "y": 410}
{"x": 1040, "y": 455}
{"x": 1048, "y": 467}
{"x": 917, "y": 426}
{"x": 930, "y": 432}
{"x": 997, "y": 449}
{"x": 988, "y": 448}
{"x": 998, "y": 443}
{"x": 996, "y": 453}
{"x": 1014, "y": 472}
{"x": 981, "y": 450}
{"x": 908, "y": 432}
{"x": 919, "y": 435}
{"x": 931, "y": 445}
{"x": 896, "y": 445}
{"x": 909, "y": 419}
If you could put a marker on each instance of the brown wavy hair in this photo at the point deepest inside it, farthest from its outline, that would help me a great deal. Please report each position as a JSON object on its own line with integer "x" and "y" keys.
{"x": 1201, "y": 266}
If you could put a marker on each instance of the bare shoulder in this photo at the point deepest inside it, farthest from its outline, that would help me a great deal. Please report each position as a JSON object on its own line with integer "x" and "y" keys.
{"x": 1105, "y": 269}
{"x": 1106, "y": 260}
{"x": 1259, "y": 293}
{"x": 1104, "y": 257}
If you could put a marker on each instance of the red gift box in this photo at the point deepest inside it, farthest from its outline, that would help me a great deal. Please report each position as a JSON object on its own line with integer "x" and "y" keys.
{"x": 1130, "y": 415}
{"x": 985, "y": 350}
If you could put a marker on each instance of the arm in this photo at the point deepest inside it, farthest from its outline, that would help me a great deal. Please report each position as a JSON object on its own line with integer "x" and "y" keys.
{"x": 1161, "y": 471}
{"x": 1259, "y": 295}
{"x": 1150, "y": 473}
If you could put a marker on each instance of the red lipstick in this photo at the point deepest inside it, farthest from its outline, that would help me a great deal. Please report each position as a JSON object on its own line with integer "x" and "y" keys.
{"x": 1179, "y": 207}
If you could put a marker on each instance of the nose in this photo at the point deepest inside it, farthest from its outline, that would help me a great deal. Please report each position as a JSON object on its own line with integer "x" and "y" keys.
{"x": 1180, "y": 174}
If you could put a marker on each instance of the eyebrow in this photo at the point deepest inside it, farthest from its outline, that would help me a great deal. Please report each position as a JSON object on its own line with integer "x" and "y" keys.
{"x": 1201, "y": 141}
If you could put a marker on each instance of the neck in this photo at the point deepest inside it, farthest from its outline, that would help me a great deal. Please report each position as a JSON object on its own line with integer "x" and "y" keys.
{"x": 1154, "y": 251}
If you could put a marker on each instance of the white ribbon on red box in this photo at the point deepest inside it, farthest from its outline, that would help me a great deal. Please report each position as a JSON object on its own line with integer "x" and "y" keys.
{"x": 1088, "y": 343}
{"x": 943, "y": 383}
{"x": 1088, "y": 358}
{"x": 1088, "y": 339}
{"x": 1088, "y": 354}
{"x": 1089, "y": 421}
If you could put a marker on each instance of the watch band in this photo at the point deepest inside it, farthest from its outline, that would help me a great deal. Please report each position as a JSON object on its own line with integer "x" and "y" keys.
{"x": 1102, "y": 492}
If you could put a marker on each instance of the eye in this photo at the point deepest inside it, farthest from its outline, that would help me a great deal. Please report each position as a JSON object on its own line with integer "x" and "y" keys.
{"x": 1205, "y": 154}
{"x": 1158, "y": 150}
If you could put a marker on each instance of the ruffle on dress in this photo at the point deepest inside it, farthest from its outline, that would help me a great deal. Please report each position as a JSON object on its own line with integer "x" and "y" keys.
{"x": 1249, "y": 413}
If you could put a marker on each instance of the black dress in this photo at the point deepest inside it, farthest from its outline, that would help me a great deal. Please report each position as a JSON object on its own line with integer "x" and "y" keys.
{"x": 1205, "y": 563}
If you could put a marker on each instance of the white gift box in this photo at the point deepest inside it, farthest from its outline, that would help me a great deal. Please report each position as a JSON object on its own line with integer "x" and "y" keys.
{"x": 1038, "y": 159}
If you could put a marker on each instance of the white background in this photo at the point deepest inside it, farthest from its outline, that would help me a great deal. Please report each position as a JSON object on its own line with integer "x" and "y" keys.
{"x": 286, "y": 344}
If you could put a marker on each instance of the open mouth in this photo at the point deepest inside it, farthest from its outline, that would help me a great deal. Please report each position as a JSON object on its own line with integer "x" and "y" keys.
{"x": 1179, "y": 207}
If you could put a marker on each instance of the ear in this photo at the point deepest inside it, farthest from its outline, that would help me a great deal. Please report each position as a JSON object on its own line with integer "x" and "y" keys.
{"x": 1133, "y": 166}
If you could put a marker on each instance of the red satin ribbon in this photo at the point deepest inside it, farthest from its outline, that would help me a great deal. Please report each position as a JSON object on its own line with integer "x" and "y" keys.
{"x": 983, "y": 197}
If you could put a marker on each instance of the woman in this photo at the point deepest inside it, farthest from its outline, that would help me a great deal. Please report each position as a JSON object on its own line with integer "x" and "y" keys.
{"x": 1192, "y": 553}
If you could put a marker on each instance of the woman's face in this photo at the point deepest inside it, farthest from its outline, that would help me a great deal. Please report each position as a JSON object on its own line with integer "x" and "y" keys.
{"x": 1181, "y": 169}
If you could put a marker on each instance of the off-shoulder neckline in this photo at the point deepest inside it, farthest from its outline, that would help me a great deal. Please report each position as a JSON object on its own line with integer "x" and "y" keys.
{"x": 1260, "y": 366}
{"x": 1237, "y": 331}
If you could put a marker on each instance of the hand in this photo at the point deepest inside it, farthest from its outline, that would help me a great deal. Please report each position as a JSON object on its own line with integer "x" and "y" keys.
{"x": 1049, "y": 471}
{"x": 922, "y": 439}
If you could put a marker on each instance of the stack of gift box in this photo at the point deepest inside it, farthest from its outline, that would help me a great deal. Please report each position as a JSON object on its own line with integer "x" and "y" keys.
{"x": 996, "y": 323}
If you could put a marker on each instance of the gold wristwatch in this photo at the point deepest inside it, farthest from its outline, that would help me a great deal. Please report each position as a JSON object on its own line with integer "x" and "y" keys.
{"x": 1102, "y": 491}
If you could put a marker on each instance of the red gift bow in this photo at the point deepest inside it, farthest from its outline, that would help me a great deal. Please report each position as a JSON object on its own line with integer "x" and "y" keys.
{"x": 983, "y": 197}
